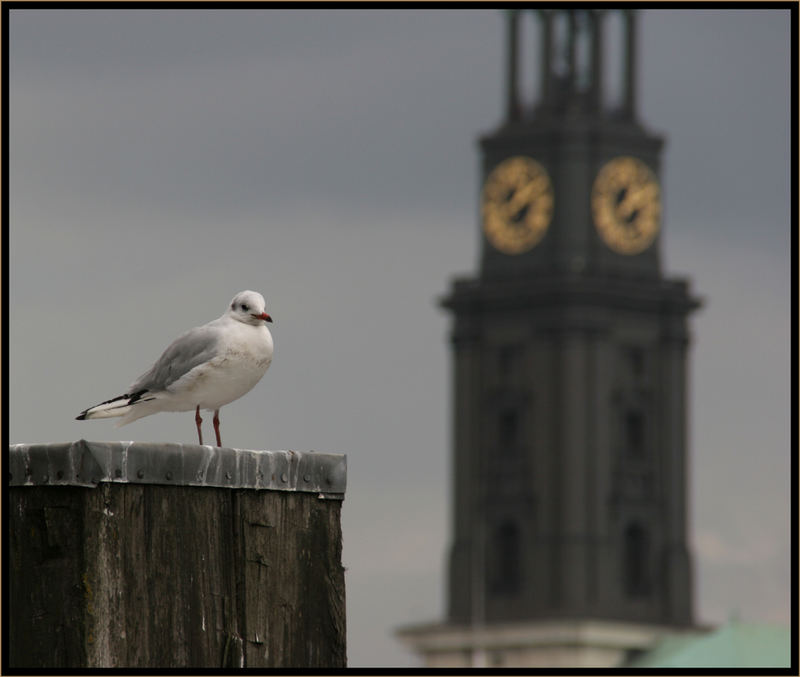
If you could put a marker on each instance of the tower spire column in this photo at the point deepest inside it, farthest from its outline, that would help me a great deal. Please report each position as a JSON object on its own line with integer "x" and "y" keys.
{"x": 513, "y": 106}
{"x": 596, "y": 97}
{"x": 546, "y": 85}
{"x": 629, "y": 104}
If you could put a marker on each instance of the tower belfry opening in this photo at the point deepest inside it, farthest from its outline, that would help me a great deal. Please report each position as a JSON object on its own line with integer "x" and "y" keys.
{"x": 571, "y": 65}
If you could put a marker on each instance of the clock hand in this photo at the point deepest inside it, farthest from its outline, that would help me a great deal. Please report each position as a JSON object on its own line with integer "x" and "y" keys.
{"x": 644, "y": 194}
{"x": 522, "y": 197}
{"x": 634, "y": 199}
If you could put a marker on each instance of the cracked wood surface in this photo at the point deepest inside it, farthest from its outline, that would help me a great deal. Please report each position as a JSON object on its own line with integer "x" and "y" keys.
{"x": 127, "y": 575}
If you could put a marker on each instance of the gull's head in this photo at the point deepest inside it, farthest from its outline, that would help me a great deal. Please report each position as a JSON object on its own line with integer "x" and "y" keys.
{"x": 249, "y": 307}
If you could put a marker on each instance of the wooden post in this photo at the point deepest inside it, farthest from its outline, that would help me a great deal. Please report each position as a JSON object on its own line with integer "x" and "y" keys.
{"x": 161, "y": 556}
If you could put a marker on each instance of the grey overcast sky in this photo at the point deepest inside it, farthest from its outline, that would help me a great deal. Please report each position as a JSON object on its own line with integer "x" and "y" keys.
{"x": 163, "y": 160}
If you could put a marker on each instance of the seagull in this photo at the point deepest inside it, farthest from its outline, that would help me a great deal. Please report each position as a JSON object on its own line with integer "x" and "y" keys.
{"x": 205, "y": 368}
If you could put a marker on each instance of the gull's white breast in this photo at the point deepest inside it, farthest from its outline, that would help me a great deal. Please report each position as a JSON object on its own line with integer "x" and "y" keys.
{"x": 243, "y": 357}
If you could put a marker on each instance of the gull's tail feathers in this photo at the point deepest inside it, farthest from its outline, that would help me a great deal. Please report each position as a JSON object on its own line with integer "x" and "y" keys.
{"x": 123, "y": 405}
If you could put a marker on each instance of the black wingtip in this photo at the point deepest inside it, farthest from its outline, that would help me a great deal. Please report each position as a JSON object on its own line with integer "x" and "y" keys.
{"x": 81, "y": 416}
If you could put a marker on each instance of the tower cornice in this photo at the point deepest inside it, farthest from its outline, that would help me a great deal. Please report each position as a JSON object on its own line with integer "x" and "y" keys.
{"x": 661, "y": 295}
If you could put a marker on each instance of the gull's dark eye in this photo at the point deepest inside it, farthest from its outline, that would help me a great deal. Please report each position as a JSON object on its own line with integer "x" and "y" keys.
{"x": 245, "y": 307}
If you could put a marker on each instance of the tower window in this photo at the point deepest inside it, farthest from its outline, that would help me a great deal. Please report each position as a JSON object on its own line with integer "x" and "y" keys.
{"x": 636, "y": 359}
{"x": 635, "y": 556}
{"x": 508, "y": 430}
{"x": 632, "y": 361}
{"x": 507, "y": 571}
{"x": 508, "y": 361}
{"x": 634, "y": 433}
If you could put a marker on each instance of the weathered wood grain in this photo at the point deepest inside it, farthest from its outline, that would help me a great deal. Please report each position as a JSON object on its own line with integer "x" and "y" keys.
{"x": 131, "y": 575}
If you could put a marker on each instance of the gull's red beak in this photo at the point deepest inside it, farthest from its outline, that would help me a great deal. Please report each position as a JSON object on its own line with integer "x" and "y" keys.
{"x": 263, "y": 316}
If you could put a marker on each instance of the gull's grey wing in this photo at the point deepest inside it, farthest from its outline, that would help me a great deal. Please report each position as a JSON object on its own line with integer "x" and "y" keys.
{"x": 196, "y": 346}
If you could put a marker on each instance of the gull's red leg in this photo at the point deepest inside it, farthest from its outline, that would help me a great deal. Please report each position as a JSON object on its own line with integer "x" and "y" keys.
{"x": 216, "y": 426}
{"x": 198, "y": 421}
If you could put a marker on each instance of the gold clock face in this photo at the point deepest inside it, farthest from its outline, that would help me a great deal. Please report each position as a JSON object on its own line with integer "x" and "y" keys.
{"x": 516, "y": 204}
{"x": 626, "y": 205}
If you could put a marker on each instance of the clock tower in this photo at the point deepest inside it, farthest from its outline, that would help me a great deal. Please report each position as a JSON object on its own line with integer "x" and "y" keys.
{"x": 569, "y": 519}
